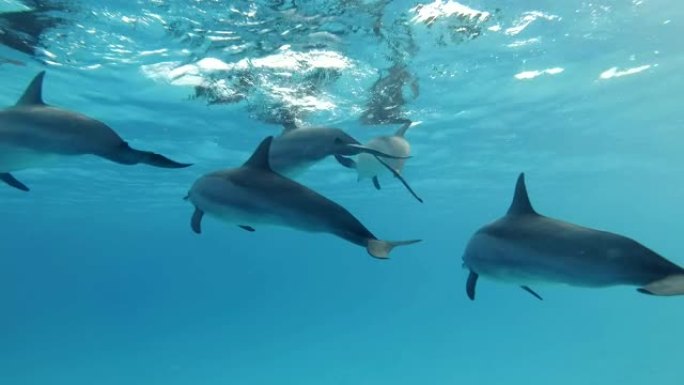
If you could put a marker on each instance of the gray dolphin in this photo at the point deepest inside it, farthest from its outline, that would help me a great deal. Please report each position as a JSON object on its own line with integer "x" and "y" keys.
{"x": 33, "y": 134}
{"x": 254, "y": 194}
{"x": 297, "y": 149}
{"x": 371, "y": 166}
{"x": 524, "y": 247}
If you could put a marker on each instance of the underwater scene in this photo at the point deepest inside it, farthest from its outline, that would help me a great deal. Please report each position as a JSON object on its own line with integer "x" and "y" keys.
{"x": 343, "y": 192}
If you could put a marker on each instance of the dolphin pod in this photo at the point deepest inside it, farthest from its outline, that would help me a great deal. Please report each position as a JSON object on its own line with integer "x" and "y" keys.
{"x": 524, "y": 247}
{"x": 34, "y": 134}
{"x": 254, "y": 194}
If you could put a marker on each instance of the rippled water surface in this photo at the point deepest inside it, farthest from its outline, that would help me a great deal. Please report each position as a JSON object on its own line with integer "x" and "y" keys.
{"x": 102, "y": 281}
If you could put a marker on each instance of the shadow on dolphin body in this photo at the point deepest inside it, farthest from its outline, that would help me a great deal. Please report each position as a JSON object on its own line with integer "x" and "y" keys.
{"x": 297, "y": 149}
{"x": 33, "y": 134}
{"x": 524, "y": 247}
{"x": 254, "y": 194}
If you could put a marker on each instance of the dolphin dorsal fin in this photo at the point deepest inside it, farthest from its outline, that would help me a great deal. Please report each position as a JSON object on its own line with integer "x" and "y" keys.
{"x": 521, "y": 202}
{"x": 33, "y": 95}
{"x": 402, "y": 130}
{"x": 259, "y": 158}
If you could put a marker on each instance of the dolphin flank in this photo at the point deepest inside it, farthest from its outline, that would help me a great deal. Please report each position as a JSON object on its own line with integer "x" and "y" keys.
{"x": 524, "y": 247}
{"x": 254, "y": 194}
{"x": 34, "y": 134}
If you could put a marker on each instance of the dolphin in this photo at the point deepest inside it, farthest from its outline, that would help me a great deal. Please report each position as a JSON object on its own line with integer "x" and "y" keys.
{"x": 524, "y": 247}
{"x": 370, "y": 166}
{"x": 254, "y": 194}
{"x": 33, "y": 134}
{"x": 297, "y": 149}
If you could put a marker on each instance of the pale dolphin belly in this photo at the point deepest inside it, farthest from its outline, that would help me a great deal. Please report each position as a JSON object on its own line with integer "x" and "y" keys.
{"x": 368, "y": 166}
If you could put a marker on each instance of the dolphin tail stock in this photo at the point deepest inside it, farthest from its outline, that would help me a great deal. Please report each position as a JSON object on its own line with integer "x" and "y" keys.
{"x": 670, "y": 285}
{"x": 381, "y": 249}
{"x": 129, "y": 156}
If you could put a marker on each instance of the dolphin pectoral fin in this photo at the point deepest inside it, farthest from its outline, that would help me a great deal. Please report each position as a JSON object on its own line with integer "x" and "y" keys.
{"x": 196, "y": 221}
{"x": 12, "y": 181}
{"x": 401, "y": 179}
{"x": 670, "y": 285}
{"x": 471, "y": 284}
{"x": 363, "y": 149}
{"x": 248, "y": 228}
{"x": 376, "y": 182}
{"x": 127, "y": 155}
{"x": 346, "y": 162}
{"x": 527, "y": 289}
{"x": 381, "y": 249}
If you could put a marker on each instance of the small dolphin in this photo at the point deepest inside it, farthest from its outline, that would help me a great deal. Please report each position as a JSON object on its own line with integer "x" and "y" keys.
{"x": 32, "y": 134}
{"x": 369, "y": 166}
{"x": 297, "y": 149}
{"x": 524, "y": 247}
{"x": 254, "y": 194}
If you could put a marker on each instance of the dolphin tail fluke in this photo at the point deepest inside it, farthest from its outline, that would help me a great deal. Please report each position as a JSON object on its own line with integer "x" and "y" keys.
{"x": 670, "y": 285}
{"x": 381, "y": 249}
{"x": 129, "y": 156}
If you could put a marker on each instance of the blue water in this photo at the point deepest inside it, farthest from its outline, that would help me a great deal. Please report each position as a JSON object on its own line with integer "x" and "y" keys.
{"x": 102, "y": 281}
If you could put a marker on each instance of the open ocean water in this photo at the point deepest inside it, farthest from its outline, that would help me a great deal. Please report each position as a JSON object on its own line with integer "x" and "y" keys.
{"x": 103, "y": 282}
